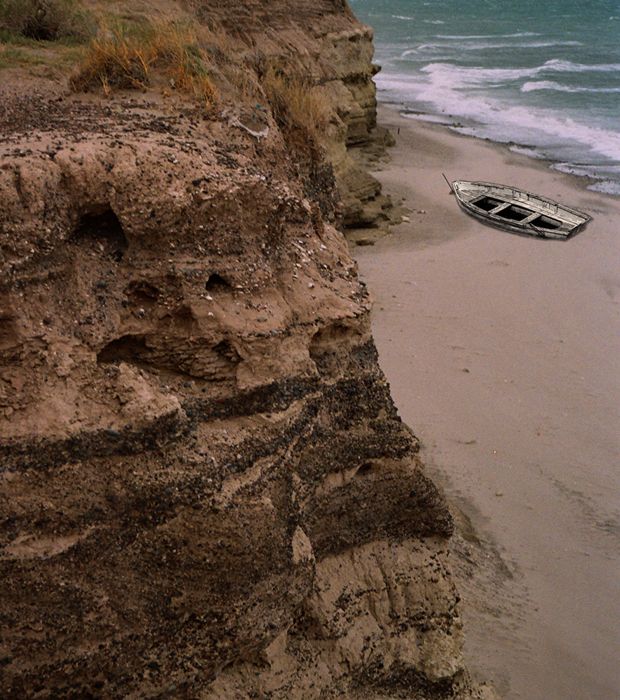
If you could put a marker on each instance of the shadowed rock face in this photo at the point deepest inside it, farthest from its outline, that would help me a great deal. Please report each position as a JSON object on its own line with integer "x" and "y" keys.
{"x": 206, "y": 490}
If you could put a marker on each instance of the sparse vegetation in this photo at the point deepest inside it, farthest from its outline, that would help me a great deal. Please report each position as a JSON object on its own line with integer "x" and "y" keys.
{"x": 122, "y": 58}
{"x": 295, "y": 104}
{"x": 12, "y": 56}
{"x": 44, "y": 20}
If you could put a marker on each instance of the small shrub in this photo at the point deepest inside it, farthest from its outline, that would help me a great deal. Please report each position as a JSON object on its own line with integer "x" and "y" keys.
{"x": 120, "y": 59}
{"x": 113, "y": 61}
{"x": 294, "y": 104}
{"x": 180, "y": 57}
{"x": 44, "y": 20}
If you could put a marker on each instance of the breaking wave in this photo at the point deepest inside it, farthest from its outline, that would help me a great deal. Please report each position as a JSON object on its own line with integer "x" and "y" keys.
{"x": 486, "y": 36}
{"x": 561, "y": 66}
{"x": 444, "y": 91}
{"x": 553, "y": 89}
{"x": 551, "y": 85}
{"x": 469, "y": 76}
{"x": 484, "y": 45}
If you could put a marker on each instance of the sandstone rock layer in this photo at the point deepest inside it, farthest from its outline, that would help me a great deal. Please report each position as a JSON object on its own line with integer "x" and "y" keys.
{"x": 206, "y": 490}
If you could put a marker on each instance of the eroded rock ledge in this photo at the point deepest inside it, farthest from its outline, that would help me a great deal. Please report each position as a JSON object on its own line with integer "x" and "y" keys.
{"x": 206, "y": 490}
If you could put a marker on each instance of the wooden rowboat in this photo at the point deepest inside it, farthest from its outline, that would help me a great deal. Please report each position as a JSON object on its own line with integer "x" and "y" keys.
{"x": 516, "y": 210}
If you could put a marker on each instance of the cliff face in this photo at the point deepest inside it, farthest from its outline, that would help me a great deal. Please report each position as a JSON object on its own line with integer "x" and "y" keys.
{"x": 206, "y": 490}
{"x": 323, "y": 42}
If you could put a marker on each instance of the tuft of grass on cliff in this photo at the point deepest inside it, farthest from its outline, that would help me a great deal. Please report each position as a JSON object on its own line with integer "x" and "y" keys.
{"x": 166, "y": 53}
{"x": 294, "y": 103}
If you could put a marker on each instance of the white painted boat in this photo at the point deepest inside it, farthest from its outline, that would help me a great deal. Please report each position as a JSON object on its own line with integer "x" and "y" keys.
{"x": 516, "y": 210}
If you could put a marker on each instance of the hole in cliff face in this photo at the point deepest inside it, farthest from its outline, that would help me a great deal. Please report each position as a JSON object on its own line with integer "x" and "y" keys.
{"x": 104, "y": 230}
{"x": 216, "y": 283}
{"x": 365, "y": 469}
{"x": 226, "y": 351}
{"x": 142, "y": 291}
{"x": 127, "y": 348}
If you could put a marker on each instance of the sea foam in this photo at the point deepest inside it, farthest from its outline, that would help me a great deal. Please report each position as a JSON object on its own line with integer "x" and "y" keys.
{"x": 527, "y": 74}
{"x": 486, "y": 45}
{"x": 552, "y": 85}
{"x": 443, "y": 92}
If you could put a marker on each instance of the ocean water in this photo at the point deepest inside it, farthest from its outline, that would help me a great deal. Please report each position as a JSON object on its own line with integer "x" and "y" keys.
{"x": 541, "y": 75}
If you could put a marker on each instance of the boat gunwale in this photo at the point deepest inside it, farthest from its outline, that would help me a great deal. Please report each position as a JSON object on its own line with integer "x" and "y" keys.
{"x": 542, "y": 198}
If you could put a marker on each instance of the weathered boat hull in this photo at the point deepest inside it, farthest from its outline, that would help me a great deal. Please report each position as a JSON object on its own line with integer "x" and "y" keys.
{"x": 518, "y": 211}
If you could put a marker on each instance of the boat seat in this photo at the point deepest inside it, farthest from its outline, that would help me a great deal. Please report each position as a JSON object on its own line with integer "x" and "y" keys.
{"x": 531, "y": 217}
{"x": 501, "y": 207}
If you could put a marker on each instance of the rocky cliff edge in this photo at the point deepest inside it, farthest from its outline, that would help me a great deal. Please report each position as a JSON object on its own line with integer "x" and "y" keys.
{"x": 206, "y": 491}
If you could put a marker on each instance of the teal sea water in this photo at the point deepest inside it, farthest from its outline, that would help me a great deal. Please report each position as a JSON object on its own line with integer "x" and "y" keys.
{"x": 542, "y": 75}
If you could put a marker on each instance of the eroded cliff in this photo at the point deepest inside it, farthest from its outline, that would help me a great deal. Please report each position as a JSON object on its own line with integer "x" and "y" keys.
{"x": 206, "y": 490}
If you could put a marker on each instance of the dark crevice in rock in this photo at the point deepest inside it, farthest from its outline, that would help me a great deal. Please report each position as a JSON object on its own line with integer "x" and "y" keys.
{"x": 104, "y": 228}
{"x": 217, "y": 283}
{"x": 227, "y": 352}
{"x": 128, "y": 348}
{"x": 142, "y": 291}
{"x": 365, "y": 469}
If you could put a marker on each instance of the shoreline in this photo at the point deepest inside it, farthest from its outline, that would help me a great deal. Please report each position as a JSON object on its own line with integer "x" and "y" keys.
{"x": 500, "y": 351}
{"x": 533, "y": 155}
{"x": 534, "y": 160}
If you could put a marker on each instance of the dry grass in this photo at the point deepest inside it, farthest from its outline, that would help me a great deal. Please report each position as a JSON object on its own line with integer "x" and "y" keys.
{"x": 119, "y": 59}
{"x": 295, "y": 105}
{"x": 44, "y": 20}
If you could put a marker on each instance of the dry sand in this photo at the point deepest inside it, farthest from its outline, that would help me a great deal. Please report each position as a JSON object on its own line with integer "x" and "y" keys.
{"x": 503, "y": 354}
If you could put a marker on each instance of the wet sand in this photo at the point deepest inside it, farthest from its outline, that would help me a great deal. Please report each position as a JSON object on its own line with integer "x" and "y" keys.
{"x": 503, "y": 355}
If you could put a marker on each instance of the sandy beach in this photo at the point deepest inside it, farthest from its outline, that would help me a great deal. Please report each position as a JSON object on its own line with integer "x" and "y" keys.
{"x": 502, "y": 352}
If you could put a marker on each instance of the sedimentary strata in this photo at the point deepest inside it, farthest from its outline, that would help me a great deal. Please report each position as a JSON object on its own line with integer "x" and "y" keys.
{"x": 206, "y": 490}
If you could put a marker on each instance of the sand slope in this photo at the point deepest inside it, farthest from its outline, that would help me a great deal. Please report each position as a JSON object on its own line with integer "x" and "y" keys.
{"x": 503, "y": 355}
